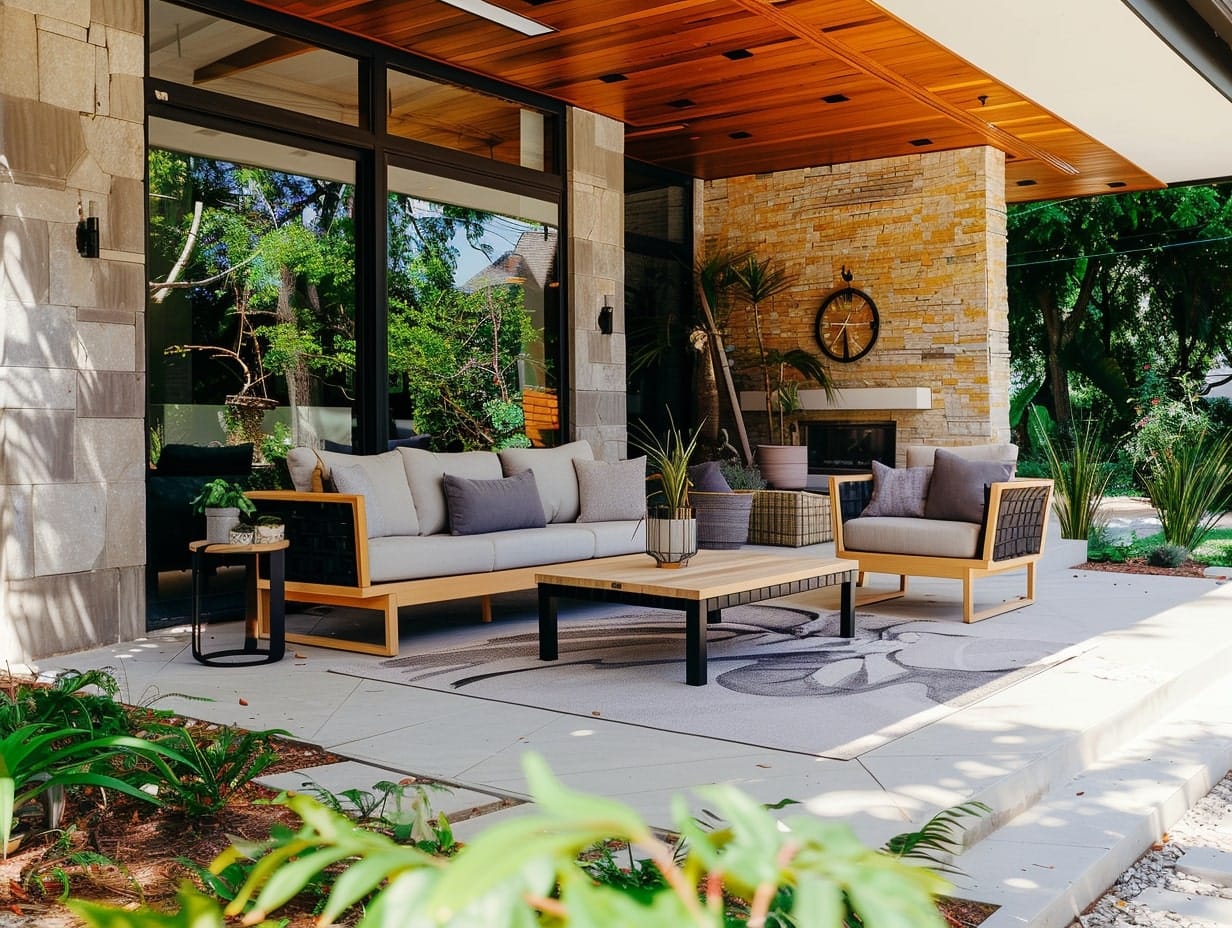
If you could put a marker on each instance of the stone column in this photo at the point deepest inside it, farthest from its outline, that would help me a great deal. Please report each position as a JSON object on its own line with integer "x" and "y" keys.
{"x": 596, "y": 269}
{"x": 72, "y": 382}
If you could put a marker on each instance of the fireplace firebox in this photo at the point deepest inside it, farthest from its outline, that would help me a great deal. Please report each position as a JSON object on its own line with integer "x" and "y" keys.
{"x": 849, "y": 447}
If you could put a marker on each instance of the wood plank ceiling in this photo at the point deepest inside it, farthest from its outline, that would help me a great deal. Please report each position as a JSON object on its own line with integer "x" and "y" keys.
{"x": 718, "y": 88}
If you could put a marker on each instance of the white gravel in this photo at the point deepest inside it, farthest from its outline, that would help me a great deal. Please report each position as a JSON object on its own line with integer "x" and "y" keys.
{"x": 1207, "y": 825}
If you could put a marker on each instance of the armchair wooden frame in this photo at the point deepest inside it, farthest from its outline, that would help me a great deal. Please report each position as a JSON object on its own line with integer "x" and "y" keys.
{"x": 1011, "y": 538}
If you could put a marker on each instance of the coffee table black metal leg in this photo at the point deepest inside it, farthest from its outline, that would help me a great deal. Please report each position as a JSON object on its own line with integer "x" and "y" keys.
{"x": 547, "y": 623}
{"x": 695, "y": 645}
{"x": 847, "y": 610}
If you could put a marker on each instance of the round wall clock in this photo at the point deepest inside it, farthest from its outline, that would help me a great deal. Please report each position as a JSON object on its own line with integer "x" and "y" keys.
{"x": 847, "y": 324}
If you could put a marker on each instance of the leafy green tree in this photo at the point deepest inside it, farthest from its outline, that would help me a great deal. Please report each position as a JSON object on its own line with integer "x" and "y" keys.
{"x": 1102, "y": 288}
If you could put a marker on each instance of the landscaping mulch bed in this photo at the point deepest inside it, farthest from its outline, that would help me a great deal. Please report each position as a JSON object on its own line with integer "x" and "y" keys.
{"x": 1138, "y": 565}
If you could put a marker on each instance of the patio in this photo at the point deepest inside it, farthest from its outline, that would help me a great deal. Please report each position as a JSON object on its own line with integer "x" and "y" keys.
{"x": 1084, "y": 763}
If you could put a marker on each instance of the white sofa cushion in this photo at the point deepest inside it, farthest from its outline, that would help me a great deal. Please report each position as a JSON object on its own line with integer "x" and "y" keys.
{"x": 553, "y": 468}
{"x": 612, "y": 538}
{"x": 425, "y": 474}
{"x": 415, "y": 557}
{"x": 905, "y": 535}
{"x": 552, "y": 544}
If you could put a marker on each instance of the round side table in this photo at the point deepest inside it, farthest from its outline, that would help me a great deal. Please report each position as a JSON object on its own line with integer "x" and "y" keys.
{"x": 277, "y": 609}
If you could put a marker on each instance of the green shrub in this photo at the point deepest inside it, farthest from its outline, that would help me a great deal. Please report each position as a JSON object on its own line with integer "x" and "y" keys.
{"x": 741, "y": 476}
{"x": 1167, "y": 556}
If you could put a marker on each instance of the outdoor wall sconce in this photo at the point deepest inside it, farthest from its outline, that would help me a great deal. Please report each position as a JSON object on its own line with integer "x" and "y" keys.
{"x": 87, "y": 232}
{"x": 605, "y": 316}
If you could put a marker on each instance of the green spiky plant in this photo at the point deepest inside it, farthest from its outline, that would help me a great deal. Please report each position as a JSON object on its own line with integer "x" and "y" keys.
{"x": 1189, "y": 484}
{"x": 1080, "y": 471}
{"x": 669, "y": 459}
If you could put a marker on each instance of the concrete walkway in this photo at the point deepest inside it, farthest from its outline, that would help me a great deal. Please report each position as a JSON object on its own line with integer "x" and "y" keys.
{"x": 1084, "y": 764}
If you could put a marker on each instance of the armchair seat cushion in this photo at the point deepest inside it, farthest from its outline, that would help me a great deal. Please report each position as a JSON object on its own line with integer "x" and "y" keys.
{"x": 912, "y": 536}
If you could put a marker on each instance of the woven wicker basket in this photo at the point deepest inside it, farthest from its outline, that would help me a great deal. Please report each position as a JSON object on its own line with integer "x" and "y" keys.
{"x": 722, "y": 518}
{"x": 789, "y": 518}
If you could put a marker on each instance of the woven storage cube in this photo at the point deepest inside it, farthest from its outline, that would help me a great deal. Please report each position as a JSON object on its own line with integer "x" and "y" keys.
{"x": 722, "y": 518}
{"x": 789, "y": 518}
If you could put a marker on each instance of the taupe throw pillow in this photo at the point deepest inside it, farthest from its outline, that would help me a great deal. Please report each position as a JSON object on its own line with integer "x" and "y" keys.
{"x": 611, "y": 492}
{"x": 956, "y": 491}
{"x": 898, "y": 491}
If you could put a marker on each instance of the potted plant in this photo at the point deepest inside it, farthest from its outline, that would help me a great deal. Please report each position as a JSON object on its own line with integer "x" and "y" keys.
{"x": 269, "y": 529}
{"x": 242, "y": 533}
{"x": 783, "y": 462}
{"x": 671, "y": 528}
{"x": 222, "y": 501}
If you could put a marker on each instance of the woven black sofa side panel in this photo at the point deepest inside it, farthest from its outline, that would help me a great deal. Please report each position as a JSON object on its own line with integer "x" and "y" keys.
{"x": 322, "y": 537}
{"x": 853, "y": 496}
{"x": 1020, "y": 523}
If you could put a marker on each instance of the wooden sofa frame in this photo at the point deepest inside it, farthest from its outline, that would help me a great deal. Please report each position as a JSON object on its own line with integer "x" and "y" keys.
{"x": 327, "y": 564}
{"x": 1011, "y": 537}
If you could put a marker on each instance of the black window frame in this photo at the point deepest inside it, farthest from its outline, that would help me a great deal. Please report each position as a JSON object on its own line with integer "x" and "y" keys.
{"x": 373, "y": 150}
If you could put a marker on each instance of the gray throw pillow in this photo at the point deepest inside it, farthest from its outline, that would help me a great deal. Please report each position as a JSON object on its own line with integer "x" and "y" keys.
{"x": 478, "y": 506}
{"x": 354, "y": 479}
{"x": 898, "y": 491}
{"x": 707, "y": 478}
{"x": 611, "y": 492}
{"x": 956, "y": 491}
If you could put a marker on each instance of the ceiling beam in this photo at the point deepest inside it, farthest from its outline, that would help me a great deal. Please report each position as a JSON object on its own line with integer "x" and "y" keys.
{"x": 995, "y": 136}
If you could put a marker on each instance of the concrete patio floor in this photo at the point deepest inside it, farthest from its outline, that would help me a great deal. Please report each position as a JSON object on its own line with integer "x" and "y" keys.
{"x": 1085, "y": 764}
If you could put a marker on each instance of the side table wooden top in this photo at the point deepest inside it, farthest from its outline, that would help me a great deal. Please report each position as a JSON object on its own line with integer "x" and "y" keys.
{"x": 218, "y": 547}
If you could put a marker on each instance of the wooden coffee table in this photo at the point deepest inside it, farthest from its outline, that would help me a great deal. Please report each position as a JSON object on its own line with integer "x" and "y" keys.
{"x": 712, "y": 581}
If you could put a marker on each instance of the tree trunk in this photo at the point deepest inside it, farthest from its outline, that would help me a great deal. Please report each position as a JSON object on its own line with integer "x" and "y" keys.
{"x": 298, "y": 381}
{"x": 1058, "y": 376}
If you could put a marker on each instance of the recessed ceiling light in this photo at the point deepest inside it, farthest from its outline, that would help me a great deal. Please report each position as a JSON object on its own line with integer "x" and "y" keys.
{"x": 1116, "y": 184}
{"x": 682, "y": 104}
{"x": 501, "y": 16}
{"x": 920, "y": 143}
{"x": 740, "y": 135}
{"x": 612, "y": 78}
{"x": 835, "y": 98}
{"x": 737, "y": 53}
{"x": 1026, "y": 183}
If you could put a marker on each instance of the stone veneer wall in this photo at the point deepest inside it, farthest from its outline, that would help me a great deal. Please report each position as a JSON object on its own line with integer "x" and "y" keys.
{"x": 72, "y": 387}
{"x": 925, "y": 236}
{"x": 596, "y": 188}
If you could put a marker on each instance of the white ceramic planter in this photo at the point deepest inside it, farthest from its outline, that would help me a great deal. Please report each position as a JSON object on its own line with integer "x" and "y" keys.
{"x": 268, "y": 534}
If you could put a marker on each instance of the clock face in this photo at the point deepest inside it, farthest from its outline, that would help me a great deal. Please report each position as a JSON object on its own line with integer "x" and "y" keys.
{"x": 847, "y": 324}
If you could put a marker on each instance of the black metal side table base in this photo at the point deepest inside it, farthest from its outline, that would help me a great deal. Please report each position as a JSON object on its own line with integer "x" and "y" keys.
{"x": 277, "y": 606}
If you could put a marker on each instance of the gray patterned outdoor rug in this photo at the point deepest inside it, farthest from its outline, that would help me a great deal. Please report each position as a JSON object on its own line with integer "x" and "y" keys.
{"x": 779, "y": 678}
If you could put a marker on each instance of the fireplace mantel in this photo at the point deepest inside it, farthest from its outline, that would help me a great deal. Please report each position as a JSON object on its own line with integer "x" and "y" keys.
{"x": 853, "y": 398}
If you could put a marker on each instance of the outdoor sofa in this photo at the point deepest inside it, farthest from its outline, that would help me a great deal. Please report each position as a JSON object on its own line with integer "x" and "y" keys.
{"x": 411, "y": 526}
{"x": 951, "y": 512}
